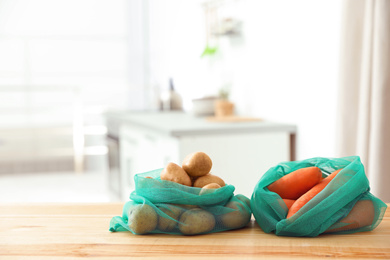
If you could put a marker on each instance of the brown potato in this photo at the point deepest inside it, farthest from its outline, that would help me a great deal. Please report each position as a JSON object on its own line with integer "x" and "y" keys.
{"x": 187, "y": 206}
{"x": 212, "y": 186}
{"x": 142, "y": 219}
{"x": 197, "y": 164}
{"x": 361, "y": 215}
{"x": 173, "y": 172}
{"x": 236, "y": 219}
{"x": 148, "y": 183}
{"x": 196, "y": 221}
{"x": 244, "y": 199}
{"x": 165, "y": 224}
{"x": 207, "y": 179}
{"x": 209, "y": 188}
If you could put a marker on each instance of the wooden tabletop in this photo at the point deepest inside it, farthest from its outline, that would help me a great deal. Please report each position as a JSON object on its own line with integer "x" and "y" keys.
{"x": 71, "y": 231}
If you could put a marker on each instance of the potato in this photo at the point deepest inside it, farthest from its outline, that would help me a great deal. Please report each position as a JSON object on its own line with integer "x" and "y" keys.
{"x": 148, "y": 183}
{"x": 173, "y": 172}
{"x": 212, "y": 186}
{"x": 244, "y": 199}
{"x": 236, "y": 219}
{"x": 209, "y": 188}
{"x": 165, "y": 224}
{"x": 361, "y": 215}
{"x": 142, "y": 219}
{"x": 187, "y": 206}
{"x": 196, "y": 221}
{"x": 207, "y": 179}
{"x": 197, "y": 164}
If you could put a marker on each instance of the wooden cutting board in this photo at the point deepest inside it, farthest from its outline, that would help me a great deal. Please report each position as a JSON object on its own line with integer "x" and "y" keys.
{"x": 72, "y": 231}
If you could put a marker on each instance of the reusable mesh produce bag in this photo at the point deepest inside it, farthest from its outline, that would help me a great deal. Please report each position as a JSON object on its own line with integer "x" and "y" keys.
{"x": 324, "y": 212}
{"x": 159, "y": 206}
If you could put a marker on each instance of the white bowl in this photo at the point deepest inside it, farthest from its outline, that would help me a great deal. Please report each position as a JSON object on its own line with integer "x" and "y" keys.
{"x": 203, "y": 106}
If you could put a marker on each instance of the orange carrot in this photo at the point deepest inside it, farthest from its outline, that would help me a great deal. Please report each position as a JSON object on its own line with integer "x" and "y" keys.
{"x": 296, "y": 183}
{"x": 305, "y": 198}
{"x": 288, "y": 203}
{"x": 361, "y": 215}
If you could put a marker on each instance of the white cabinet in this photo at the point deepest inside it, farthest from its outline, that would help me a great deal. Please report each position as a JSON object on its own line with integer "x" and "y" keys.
{"x": 240, "y": 154}
{"x": 143, "y": 150}
{"x": 240, "y": 158}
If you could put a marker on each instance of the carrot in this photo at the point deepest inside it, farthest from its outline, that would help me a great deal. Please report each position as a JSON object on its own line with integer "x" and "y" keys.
{"x": 288, "y": 203}
{"x": 361, "y": 215}
{"x": 296, "y": 183}
{"x": 305, "y": 198}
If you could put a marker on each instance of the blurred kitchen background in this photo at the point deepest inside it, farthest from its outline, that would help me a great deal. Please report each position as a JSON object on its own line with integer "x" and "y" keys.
{"x": 72, "y": 72}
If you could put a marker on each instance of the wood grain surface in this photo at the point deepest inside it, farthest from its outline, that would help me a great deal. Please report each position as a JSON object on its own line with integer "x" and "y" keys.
{"x": 74, "y": 231}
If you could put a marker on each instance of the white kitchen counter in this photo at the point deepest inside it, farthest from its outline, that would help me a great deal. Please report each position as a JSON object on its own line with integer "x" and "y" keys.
{"x": 177, "y": 123}
{"x": 241, "y": 151}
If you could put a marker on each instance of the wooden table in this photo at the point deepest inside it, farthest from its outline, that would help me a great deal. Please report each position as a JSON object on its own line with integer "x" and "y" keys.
{"x": 71, "y": 231}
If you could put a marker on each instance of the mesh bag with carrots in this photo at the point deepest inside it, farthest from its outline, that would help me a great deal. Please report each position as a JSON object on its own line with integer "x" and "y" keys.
{"x": 315, "y": 196}
{"x": 170, "y": 203}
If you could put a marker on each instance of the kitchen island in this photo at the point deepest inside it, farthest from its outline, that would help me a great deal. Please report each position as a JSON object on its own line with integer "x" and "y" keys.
{"x": 72, "y": 231}
{"x": 242, "y": 150}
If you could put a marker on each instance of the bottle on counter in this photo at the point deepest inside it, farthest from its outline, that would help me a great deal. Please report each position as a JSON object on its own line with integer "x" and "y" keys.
{"x": 170, "y": 99}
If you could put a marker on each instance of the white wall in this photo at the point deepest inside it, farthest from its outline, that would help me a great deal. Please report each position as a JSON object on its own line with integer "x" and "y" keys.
{"x": 284, "y": 67}
{"x": 290, "y": 66}
{"x": 62, "y": 63}
{"x": 69, "y": 44}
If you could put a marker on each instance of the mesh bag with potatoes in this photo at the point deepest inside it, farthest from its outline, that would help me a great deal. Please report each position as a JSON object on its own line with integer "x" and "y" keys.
{"x": 176, "y": 200}
{"x": 316, "y": 196}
